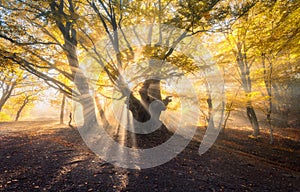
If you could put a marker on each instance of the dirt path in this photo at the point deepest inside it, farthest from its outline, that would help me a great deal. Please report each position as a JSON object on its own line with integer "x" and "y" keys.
{"x": 43, "y": 156}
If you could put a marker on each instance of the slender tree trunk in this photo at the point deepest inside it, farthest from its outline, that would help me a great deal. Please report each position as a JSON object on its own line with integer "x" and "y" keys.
{"x": 268, "y": 83}
{"x": 244, "y": 70}
{"x": 70, "y": 120}
{"x": 210, "y": 120}
{"x": 229, "y": 108}
{"x": 227, "y": 114}
{"x": 270, "y": 127}
{"x": 210, "y": 108}
{"x": 62, "y": 110}
{"x": 26, "y": 100}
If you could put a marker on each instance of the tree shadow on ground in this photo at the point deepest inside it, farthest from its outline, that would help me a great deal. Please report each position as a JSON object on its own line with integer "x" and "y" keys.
{"x": 60, "y": 161}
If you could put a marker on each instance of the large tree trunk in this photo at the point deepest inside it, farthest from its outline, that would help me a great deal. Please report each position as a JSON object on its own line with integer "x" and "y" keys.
{"x": 81, "y": 82}
{"x": 149, "y": 92}
{"x": 89, "y": 113}
{"x": 7, "y": 93}
{"x": 139, "y": 111}
{"x": 2, "y": 102}
{"x": 69, "y": 33}
{"x": 253, "y": 120}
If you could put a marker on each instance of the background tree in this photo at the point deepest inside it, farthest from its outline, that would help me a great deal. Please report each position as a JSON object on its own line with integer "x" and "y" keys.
{"x": 43, "y": 30}
{"x": 10, "y": 78}
{"x": 24, "y": 96}
{"x": 261, "y": 42}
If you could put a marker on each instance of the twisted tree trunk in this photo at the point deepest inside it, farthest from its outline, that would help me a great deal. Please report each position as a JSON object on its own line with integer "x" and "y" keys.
{"x": 149, "y": 92}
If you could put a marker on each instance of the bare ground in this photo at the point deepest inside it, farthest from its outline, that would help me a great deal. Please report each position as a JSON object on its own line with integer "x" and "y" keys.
{"x": 44, "y": 156}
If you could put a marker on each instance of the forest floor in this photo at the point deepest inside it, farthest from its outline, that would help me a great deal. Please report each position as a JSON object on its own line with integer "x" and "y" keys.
{"x": 45, "y": 156}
